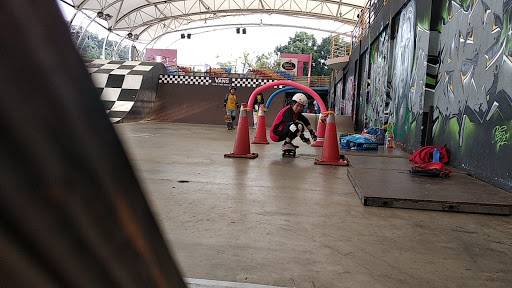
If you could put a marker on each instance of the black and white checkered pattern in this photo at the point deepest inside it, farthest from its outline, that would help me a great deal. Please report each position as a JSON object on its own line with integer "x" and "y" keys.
{"x": 118, "y": 83}
{"x": 180, "y": 79}
{"x": 250, "y": 82}
{"x": 119, "y": 67}
{"x": 204, "y": 80}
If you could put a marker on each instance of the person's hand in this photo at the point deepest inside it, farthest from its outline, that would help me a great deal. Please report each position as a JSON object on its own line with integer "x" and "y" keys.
{"x": 304, "y": 139}
{"x": 313, "y": 135}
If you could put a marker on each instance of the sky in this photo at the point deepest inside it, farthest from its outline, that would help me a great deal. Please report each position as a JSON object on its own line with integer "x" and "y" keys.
{"x": 213, "y": 45}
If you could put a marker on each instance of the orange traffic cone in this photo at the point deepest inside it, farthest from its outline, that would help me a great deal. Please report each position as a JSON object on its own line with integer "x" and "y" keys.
{"x": 261, "y": 128}
{"x": 330, "y": 152}
{"x": 320, "y": 132}
{"x": 242, "y": 147}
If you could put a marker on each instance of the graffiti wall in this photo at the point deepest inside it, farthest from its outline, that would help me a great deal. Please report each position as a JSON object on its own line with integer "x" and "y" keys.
{"x": 365, "y": 91}
{"x": 411, "y": 43}
{"x": 379, "y": 96}
{"x": 338, "y": 108}
{"x": 349, "y": 96}
{"x": 440, "y": 72}
{"x": 473, "y": 103}
{"x": 397, "y": 70}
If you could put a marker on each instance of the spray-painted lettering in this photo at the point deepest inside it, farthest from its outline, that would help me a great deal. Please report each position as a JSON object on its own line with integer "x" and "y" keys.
{"x": 500, "y": 135}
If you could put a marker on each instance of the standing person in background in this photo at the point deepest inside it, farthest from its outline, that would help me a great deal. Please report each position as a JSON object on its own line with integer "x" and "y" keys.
{"x": 230, "y": 105}
{"x": 257, "y": 102}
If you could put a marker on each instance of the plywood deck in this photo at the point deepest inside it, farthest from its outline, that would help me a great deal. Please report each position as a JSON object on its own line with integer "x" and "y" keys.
{"x": 386, "y": 182}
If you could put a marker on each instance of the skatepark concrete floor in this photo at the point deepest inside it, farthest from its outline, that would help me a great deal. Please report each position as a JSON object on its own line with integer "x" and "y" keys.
{"x": 286, "y": 222}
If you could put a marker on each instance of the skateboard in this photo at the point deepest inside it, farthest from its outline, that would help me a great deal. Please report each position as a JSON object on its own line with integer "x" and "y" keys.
{"x": 229, "y": 122}
{"x": 289, "y": 153}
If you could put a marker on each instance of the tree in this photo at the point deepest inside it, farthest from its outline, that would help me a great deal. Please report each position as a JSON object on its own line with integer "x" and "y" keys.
{"x": 268, "y": 60}
{"x": 246, "y": 62}
{"x": 227, "y": 65}
{"x": 323, "y": 51}
{"x": 91, "y": 46}
{"x": 301, "y": 43}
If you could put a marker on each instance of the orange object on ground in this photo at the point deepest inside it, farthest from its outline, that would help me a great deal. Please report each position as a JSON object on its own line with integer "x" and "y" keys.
{"x": 261, "y": 128}
{"x": 330, "y": 152}
{"x": 320, "y": 132}
{"x": 390, "y": 141}
{"x": 242, "y": 148}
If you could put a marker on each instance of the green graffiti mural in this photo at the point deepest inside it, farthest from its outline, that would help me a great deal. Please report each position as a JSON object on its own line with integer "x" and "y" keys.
{"x": 475, "y": 62}
{"x": 507, "y": 36}
{"x": 501, "y": 136}
{"x": 408, "y": 74}
{"x": 424, "y": 21}
{"x": 379, "y": 91}
{"x": 402, "y": 77}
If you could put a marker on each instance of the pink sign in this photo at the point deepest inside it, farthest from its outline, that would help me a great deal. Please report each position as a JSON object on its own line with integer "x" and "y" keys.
{"x": 168, "y": 57}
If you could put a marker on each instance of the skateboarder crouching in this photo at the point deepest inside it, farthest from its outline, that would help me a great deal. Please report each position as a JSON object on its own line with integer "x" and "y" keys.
{"x": 230, "y": 105}
{"x": 290, "y": 123}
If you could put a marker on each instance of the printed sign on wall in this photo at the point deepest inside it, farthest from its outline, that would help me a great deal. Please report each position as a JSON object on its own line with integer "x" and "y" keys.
{"x": 221, "y": 81}
{"x": 289, "y": 65}
{"x": 168, "y": 57}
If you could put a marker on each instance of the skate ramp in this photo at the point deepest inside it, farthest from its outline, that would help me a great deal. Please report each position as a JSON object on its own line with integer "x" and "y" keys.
{"x": 127, "y": 88}
{"x": 200, "y": 99}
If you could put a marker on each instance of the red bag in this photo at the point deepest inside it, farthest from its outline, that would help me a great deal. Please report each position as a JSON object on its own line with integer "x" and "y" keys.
{"x": 425, "y": 154}
{"x": 432, "y": 169}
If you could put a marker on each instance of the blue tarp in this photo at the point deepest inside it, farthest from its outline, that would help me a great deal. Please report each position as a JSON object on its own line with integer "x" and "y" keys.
{"x": 358, "y": 142}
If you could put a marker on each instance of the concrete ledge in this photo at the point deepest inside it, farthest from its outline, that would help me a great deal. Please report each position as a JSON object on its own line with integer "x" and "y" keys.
{"x": 344, "y": 123}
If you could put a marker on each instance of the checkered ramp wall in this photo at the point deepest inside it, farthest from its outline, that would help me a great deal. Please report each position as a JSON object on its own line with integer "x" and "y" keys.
{"x": 205, "y": 80}
{"x": 180, "y": 79}
{"x": 118, "y": 83}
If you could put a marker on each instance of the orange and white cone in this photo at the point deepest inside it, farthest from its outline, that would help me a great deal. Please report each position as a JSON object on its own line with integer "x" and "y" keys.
{"x": 320, "y": 132}
{"x": 330, "y": 152}
{"x": 242, "y": 148}
{"x": 261, "y": 128}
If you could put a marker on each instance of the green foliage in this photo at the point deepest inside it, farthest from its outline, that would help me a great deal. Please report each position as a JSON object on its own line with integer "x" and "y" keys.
{"x": 91, "y": 46}
{"x": 228, "y": 64}
{"x": 268, "y": 60}
{"x": 301, "y": 43}
{"x": 323, "y": 52}
{"x": 246, "y": 62}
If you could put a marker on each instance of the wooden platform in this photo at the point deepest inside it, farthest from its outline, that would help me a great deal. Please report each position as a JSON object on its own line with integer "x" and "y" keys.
{"x": 385, "y": 181}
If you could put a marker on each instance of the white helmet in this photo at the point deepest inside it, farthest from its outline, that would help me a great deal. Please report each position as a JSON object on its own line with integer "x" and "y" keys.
{"x": 300, "y": 98}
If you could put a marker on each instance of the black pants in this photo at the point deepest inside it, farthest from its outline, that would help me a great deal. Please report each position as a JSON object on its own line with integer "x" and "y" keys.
{"x": 290, "y": 130}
